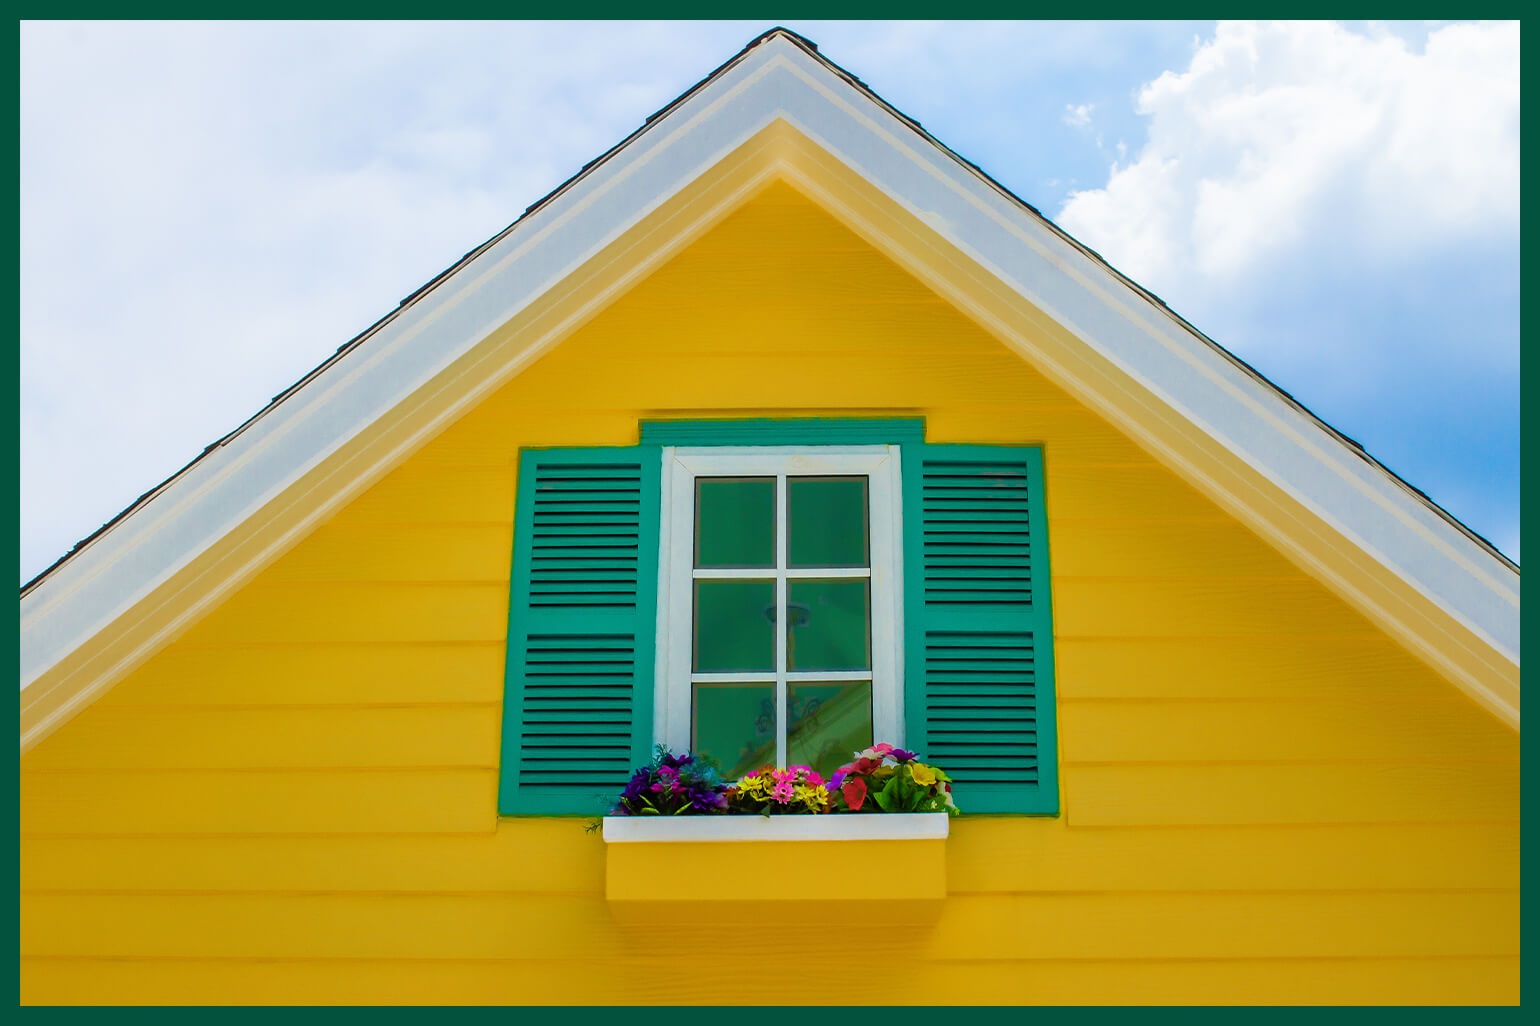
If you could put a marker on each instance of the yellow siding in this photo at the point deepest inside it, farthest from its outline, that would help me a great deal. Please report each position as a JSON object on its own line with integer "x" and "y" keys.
{"x": 1264, "y": 798}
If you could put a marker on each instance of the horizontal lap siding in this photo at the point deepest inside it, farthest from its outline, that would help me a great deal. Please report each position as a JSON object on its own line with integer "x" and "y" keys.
{"x": 995, "y": 927}
{"x": 1004, "y": 855}
{"x": 460, "y": 735}
{"x": 312, "y": 675}
{"x": 1264, "y": 799}
{"x": 644, "y": 979}
{"x": 257, "y": 801}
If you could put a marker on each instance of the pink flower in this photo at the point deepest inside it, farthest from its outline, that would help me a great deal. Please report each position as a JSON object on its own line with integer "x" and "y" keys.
{"x": 782, "y": 792}
{"x": 813, "y": 779}
{"x": 668, "y": 781}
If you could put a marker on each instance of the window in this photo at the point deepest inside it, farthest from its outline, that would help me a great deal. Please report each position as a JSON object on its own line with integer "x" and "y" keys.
{"x": 779, "y": 637}
{"x": 779, "y": 591}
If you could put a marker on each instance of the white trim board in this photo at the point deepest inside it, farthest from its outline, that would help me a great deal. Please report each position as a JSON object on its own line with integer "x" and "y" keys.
{"x": 779, "y": 84}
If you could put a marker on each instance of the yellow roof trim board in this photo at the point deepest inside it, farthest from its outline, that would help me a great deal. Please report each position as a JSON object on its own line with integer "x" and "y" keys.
{"x": 776, "y": 111}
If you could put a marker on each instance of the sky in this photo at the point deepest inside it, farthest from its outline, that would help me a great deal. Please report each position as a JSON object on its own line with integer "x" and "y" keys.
{"x": 208, "y": 210}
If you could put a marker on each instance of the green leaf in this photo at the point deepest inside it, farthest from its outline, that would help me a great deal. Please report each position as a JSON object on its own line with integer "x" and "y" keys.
{"x": 897, "y": 794}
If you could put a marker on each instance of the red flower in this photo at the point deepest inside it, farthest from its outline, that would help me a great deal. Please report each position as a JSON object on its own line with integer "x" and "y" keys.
{"x": 866, "y": 765}
{"x": 854, "y": 791}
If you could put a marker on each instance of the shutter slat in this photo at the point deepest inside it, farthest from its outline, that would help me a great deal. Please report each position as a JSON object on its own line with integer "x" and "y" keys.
{"x": 578, "y": 705}
{"x": 978, "y": 633}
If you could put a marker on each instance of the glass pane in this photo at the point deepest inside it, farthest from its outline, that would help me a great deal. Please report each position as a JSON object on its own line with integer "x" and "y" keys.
{"x": 734, "y": 629}
{"x": 830, "y": 625}
{"x": 829, "y": 724}
{"x": 827, "y": 521}
{"x": 734, "y": 521}
{"x": 734, "y": 724}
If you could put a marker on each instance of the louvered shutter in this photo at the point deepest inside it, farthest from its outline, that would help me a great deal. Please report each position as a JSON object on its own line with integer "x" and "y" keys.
{"x": 577, "y": 708}
{"x": 978, "y": 649}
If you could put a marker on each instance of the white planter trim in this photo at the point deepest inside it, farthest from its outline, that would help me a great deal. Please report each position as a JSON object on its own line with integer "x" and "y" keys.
{"x": 901, "y": 826}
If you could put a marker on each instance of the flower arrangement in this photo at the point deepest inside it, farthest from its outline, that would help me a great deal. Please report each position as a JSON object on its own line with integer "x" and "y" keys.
{"x": 673, "y": 785}
{"x": 887, "y": 779}
{"x": 771, "y": 791}
{"x": 880, "y": 779}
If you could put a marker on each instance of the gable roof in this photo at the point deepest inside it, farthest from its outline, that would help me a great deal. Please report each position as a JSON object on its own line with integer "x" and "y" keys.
{"x": 776, "y": 110}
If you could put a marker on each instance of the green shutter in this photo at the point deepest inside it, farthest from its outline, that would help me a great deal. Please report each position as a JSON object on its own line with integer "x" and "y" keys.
{"x": 577, "y": 708}
{"x": 978, "y": 647}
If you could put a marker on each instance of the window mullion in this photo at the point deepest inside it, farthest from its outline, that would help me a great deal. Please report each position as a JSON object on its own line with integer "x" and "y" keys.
{"x": 782, "y": 615}
{"x": 828, "y": 572}
{"x": 732, "y": 573}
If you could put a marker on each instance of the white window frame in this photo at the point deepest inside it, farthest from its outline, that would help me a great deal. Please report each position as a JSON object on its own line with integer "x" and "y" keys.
{"x": 676, "y": 574}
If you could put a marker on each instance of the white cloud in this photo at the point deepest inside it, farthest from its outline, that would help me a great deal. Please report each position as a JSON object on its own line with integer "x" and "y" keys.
{"x": 1078, "y": 114}
{"x": 1278, "y": 138}
{"x": 1341, "y": 210}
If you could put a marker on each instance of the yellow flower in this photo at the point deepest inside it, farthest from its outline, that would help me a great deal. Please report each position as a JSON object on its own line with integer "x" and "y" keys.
{"x": 813, "y": 798}
{"x": 923, "y": 774}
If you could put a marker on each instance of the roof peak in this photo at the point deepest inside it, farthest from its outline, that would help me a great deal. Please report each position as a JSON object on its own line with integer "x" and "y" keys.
{"x": 781, "y": 30}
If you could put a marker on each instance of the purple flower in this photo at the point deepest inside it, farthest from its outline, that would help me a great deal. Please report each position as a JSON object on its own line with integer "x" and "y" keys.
{"x": 903, "y": 756}
{"x": 636, "y": 785}
{"x": 675, "y": 762}
{"x": 708, "y": 800}
{"x": 836, "y": 780}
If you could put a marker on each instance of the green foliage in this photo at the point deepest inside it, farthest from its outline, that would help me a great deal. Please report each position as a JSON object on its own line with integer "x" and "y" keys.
{"x": 888, "y": 779}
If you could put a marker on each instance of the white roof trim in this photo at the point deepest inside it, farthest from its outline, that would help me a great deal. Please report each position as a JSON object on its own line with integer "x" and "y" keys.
{"x": 776, "y": 79}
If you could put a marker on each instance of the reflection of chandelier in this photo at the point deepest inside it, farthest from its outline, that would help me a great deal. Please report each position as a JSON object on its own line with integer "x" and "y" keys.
{"x": 801, "y": 712}
{"x": 806, "y": 715}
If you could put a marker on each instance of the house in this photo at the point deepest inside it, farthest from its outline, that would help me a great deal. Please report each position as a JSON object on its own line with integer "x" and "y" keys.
{"x": 323, "y": 719}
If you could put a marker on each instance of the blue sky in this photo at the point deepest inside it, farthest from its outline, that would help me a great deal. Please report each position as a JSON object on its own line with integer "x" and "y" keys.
{"x": 208, "y": 210}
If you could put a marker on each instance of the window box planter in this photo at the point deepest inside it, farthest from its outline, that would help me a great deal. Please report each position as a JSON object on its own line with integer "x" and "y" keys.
{"x": 890, "y": 857}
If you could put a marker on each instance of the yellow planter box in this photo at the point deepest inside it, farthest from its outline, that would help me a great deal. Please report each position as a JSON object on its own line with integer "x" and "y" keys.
{"x": 882, "y": 858}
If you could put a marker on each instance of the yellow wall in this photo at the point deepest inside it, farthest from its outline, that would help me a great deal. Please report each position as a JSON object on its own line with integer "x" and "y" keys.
{"x": 1264, "y": 798}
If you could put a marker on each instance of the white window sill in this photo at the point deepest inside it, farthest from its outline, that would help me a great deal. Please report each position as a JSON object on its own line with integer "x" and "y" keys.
{"x": 918, "y": 826}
